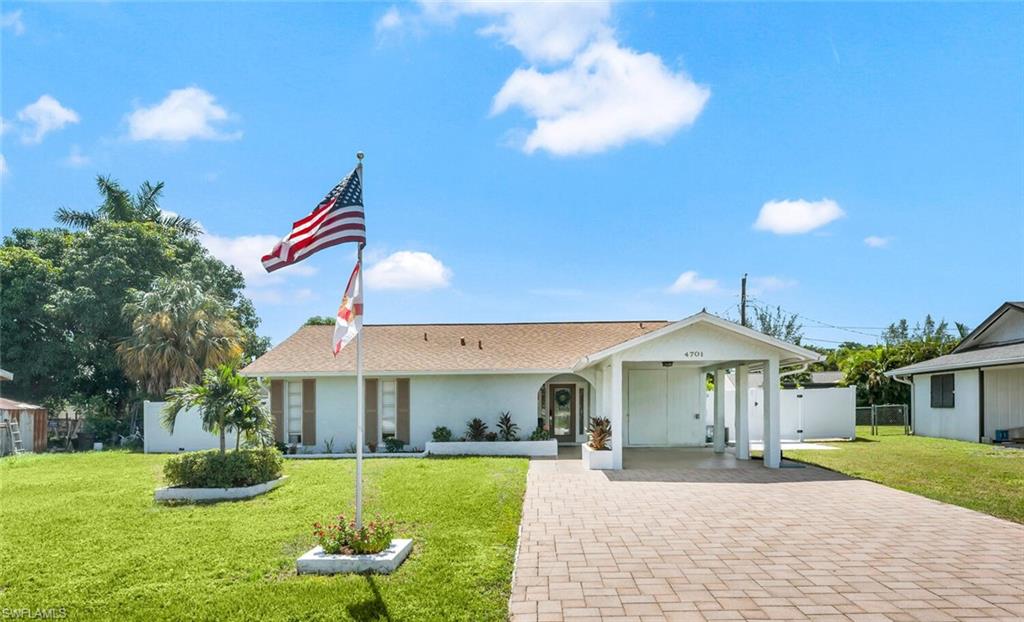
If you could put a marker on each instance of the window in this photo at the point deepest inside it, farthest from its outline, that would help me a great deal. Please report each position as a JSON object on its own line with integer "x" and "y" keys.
{"x": 388, "y": 408}
{"x": 293, "y": 418}
{"x": 943, "y": 391}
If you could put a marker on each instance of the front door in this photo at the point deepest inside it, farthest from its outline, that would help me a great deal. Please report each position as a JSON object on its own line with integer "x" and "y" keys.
{"x": 562, "y": 412}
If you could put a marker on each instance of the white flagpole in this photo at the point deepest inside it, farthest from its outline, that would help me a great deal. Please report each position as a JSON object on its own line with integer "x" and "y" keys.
{"x": 360, "y": 387}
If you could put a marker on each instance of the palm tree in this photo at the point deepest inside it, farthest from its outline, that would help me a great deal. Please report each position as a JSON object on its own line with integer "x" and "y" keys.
{"x": 226, "y": 401}
{"x": 119, "y": 205}
{"x": 177, "y": 331}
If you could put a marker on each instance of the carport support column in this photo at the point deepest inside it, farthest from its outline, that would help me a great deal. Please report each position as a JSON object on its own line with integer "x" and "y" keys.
{"x": 719, "y": 435}
{"x": 618, "y": 429}
{"x": 742, "y": 425}
{"x": 772, "y": 447}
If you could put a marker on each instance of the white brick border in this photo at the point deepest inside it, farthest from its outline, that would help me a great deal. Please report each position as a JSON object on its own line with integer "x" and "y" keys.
{"x": 315, "y": 561}
{"x": 170, "y": 493}
{"x": 494, "y": 448}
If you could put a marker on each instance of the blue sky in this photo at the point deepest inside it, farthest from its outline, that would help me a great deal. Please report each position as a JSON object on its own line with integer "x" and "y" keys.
{"x": 524, "y": 162}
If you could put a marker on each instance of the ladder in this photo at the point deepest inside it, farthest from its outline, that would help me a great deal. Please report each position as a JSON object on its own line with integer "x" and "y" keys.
{"x": 15, "y": 431}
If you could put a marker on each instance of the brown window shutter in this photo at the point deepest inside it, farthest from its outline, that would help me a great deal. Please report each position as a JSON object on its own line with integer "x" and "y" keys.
{"x": 370, "y": 430}
{"x": 277, "y": 408}
{"x": 309, "y": 411}
{"x": 402, "y": 431}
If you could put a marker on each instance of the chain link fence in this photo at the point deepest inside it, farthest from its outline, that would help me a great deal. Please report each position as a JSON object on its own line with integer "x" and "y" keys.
{"x": 885, "y": 419}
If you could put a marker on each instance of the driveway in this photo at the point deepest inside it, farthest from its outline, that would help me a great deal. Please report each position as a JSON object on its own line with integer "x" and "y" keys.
{"x": 687, "y": 535}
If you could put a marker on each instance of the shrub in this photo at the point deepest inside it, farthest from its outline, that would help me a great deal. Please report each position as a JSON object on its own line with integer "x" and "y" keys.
{"x": 599, "y": 432}
{"x": 212, "y": 469}
{"x": 393, "y": 445}
{"x": 341, "y": 537}
{"x": 491, "y": 437}
{"x": 476, "y": 430}
{"x": 329, "y": 446}
{"x": 540, "y": 434}
{"x": 442, "y": 434}
{"x": 507, "y": 429}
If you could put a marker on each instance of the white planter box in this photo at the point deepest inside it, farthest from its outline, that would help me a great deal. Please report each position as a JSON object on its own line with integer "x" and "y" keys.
{"x": 216, "y": 494}
{"x": 366, "y": 454}
{"x": 596, "y": 460}
{"x": 315, "y": 561}
{"x": 494, "y": 448}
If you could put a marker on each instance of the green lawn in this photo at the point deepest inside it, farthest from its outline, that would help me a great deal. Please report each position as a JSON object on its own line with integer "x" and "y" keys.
{"x": 986, "y": 478}
{"x": 82, "y": 532}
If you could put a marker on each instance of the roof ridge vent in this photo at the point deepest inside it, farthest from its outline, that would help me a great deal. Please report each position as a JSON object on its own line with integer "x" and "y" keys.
{"x": 463, "y": 340}
{"x": 480, "y": 344}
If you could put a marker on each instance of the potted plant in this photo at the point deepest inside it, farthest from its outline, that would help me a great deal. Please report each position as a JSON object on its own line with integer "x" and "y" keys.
{"x": 597, "y": 451}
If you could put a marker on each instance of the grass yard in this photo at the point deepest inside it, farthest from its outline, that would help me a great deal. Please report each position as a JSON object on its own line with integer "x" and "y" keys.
{"x": 981, "y": 477}
{"x": 81, "y": 531}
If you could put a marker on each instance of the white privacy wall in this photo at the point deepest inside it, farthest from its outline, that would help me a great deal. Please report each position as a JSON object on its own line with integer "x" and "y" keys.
{"x": 188, "y": 432}
{"x": 959, "y": 422}
{"x": 1004, "y": 399}
{"x": 827, "y": 413}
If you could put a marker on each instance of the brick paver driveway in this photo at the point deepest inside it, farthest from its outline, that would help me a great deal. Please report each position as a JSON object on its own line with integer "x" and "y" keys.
{"x": 684, "y": 535}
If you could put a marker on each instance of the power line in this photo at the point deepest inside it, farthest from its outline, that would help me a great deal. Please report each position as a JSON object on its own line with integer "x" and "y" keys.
{"x": 849, "y": 329}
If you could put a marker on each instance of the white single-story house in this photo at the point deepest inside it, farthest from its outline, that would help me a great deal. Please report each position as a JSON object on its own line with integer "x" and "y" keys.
{"x": 976, "y": 392}
{"x": 647, "y": 377}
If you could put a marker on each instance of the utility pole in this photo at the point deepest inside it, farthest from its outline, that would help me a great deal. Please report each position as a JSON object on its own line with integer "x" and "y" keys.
{"x": 743, "y": 300}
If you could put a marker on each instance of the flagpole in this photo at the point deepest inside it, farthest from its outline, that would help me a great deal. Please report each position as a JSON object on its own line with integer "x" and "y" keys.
{"x": 360, "y": 386}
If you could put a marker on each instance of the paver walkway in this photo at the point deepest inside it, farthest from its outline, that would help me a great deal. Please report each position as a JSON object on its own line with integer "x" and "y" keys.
{"x": 691, "y": 536}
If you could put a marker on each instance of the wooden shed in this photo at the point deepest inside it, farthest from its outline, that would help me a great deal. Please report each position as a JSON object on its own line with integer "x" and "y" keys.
{"x": 31, "y": 421}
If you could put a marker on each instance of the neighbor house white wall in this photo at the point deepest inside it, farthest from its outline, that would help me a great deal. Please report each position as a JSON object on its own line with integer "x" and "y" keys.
{"x": 188, "y": 432}
{"x": 1004, "y": 399}
{"x": 959, "y": 422}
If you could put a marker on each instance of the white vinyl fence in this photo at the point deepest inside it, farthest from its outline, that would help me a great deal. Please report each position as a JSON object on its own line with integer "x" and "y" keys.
{"x": 188, "y": 432}
{"x": 820, "y": 413}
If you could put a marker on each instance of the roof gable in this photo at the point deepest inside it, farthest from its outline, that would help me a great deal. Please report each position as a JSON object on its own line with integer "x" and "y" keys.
{"x": 1005, "y": 326}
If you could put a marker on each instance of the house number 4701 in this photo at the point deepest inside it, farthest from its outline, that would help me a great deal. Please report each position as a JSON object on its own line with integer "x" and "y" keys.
{"x": 694, "y": 354}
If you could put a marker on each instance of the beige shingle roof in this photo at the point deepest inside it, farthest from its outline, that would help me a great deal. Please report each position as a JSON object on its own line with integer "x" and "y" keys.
{"x": 403, "y": 348}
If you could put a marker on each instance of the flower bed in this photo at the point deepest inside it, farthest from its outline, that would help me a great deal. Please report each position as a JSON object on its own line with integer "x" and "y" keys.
{"x": 214, "y": 476}
{"x": 216, "y": 494}
{"x": 494, "y": 448}
{"x": 345, "y": 548}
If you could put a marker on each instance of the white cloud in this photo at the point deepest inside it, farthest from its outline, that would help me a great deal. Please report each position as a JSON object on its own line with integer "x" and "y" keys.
{"x": 3, "y": 165}
{"x": 43, "y": 116}
{"x": 690, "y": 281}
{"x": 76, "y": 159}
{"x": 183, "y": 115}
{"x": 875, "y": 241}
{"x": 13, "y": 21}
{"x": 391, "y": 20}
{"x": 608, "y": 96}
{"x": 5, "y": 126}
{"x": 408, "y": 270}
{"x": 762, "y": 284}
{"x": 797, "y": 216}
{"x": 593, "y": 94}
{"x": 244, "y": 253}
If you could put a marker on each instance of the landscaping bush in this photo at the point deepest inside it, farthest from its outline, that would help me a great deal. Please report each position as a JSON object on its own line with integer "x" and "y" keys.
{"x": 476, "y": 430}
{"x": 212, "y": 469}
{"x": 599, "y": 433}
{"x": 491, "y": 437}
{"x": 540, "y": 434}
{"x": 442, "y": 434}
{"x": 341, "y": 537}
{"x": 507, "y": 429}
{"x": 393, "y": 445}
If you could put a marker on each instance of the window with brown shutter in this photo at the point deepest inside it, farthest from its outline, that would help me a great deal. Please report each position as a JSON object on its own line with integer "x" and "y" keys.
{"x": 277, "y": 408}
{"x": 309, "y": 412}
{"x": 370, "y": 396}
{"x": 402, "y": 429}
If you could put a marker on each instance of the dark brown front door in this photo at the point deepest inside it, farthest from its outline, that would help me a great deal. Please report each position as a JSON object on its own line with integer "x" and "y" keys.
{"x": 562, "y": 412}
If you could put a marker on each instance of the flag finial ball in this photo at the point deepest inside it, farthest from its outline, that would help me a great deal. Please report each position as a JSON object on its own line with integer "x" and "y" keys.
{"x": 360, "y": 154}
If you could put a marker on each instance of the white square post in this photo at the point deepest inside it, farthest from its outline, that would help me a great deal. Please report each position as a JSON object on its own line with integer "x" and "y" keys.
{"x": 742, "y": 425}
{"x": 719, "y": 435}
{"x": 772, "y": 445}
{"x": 618, "y": 431}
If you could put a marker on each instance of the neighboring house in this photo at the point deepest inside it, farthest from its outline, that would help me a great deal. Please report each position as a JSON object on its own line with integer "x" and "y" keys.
{"x": 647, "y": 377}
{"x": 976, "y": 392}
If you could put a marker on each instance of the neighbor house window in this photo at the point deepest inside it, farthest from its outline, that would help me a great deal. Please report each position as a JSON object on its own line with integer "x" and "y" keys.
{"x": 388, "y": 408}
{"x": 293, "y": 413}
{"x": 942, "y": 391}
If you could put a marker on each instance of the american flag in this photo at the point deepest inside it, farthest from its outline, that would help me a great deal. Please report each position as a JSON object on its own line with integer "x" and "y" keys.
{"x": 337, "y": 219}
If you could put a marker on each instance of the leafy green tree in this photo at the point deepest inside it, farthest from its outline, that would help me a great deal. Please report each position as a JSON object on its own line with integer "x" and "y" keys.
{"x": 225, "y": 400}
{"x": 121, "y": 206}
{"x": 177, "y": 331}
{"x": 320, "y": 320}
{"x": 779, "y": 324}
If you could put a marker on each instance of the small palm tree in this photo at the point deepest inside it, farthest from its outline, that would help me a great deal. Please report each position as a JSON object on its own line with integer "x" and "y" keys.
{"x": 119, "y": 205}
{"x": 226, "y": 401}
{"x": 177, "y": 331}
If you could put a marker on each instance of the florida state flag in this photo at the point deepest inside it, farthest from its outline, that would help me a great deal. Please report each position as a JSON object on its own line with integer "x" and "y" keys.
{"x": 350, "y": 313}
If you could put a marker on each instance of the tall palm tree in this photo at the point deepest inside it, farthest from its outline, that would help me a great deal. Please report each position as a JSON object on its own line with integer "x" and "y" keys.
{"x": 226, "y": 400}
{"x": 177, "y": 331}
{"x": 119, "y": 205}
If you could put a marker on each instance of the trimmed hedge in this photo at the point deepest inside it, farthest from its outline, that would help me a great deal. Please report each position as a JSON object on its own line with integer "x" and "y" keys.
{"x": 212, "y": 469}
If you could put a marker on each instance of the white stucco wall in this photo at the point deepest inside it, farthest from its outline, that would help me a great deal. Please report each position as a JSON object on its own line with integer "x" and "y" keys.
{"x": 959, "y": 422}
{"x": 1004, "y": 399}
{"x": 188, "y": 432}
